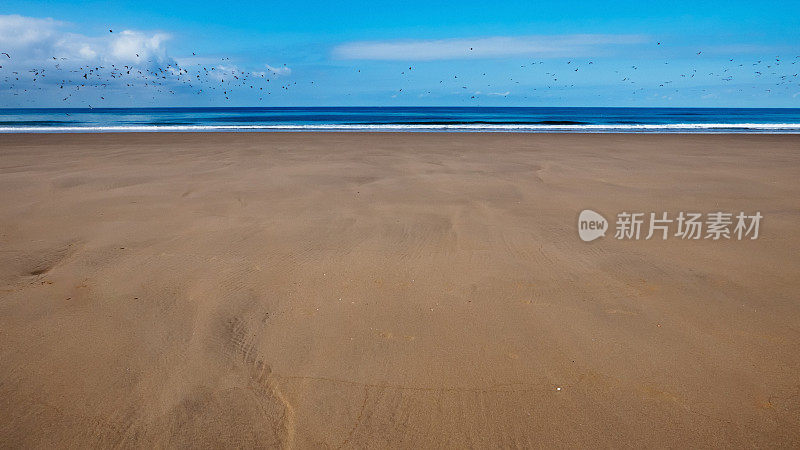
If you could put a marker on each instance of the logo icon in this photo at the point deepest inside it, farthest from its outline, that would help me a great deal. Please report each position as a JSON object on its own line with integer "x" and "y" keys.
{"x": 591, "y": 225}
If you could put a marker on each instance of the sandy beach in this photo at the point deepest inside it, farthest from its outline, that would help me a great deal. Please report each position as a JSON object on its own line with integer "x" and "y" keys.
{"x": 309, "y": 290}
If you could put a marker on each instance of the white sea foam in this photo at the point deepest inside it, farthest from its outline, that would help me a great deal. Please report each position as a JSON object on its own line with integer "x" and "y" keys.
{"x": 619, "y": 128}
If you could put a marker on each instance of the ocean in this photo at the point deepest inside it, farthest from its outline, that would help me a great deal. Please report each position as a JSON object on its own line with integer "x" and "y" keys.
{"x": 477, "y": 119}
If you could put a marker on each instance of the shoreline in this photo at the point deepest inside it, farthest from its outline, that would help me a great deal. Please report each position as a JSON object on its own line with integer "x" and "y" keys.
{"x": 545, "y": 129}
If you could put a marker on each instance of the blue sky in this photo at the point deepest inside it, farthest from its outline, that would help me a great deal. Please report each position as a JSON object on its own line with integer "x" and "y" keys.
{"x": 470, "y": 53}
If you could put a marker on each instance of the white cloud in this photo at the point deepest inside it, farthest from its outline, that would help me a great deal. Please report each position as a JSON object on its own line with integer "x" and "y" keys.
{"x": 280, "y": 71}
{"x": 30, "y": 39}
{"x": 486, "y": 47}
{"x": 18, "y": 31}
{"x": 86, "y": 52}
{"x": 128, "y": 44}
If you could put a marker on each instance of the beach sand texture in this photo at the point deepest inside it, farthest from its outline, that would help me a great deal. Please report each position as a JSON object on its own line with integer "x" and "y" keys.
{"x": 371, "y": 290}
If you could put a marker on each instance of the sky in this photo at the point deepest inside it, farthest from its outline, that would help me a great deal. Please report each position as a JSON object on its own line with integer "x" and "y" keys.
{"x": 412, "y": 53}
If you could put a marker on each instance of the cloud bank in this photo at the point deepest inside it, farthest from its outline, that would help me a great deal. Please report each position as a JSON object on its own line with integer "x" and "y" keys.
{"x": 486, "y": 47}
{"x": 28, "y": 39}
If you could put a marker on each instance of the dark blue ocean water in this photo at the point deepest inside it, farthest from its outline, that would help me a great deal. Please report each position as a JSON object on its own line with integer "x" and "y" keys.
{"x": 627, "y": 120}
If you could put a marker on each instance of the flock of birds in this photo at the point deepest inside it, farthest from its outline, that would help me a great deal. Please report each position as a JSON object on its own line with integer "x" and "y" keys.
{"x": 221, "y": 80}
{"x": 166, "y": 79}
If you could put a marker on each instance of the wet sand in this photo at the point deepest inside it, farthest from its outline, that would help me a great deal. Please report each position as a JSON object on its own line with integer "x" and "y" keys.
{"x": 371, "y": 290}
